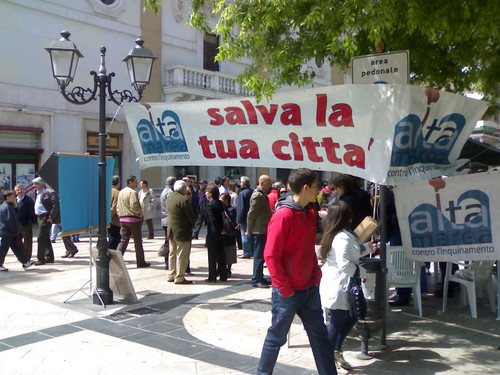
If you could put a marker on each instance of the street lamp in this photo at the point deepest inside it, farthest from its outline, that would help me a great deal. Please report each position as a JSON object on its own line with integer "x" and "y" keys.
{"x": 64, "y": 58}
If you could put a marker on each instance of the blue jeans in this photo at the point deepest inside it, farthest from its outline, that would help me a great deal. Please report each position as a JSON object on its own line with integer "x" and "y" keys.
{"x": 259, "y": 241}
{"x": 306, "y": 304}
{"x": 246, "y": 241}
{"x": 341, "y": 323}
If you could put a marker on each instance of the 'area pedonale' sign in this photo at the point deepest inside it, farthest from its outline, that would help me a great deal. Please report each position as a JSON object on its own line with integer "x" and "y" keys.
{"x": 388, "y": 134}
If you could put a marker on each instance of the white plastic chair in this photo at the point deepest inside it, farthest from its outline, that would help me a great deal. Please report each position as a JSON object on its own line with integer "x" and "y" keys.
{"x": 474, "y": 275}
{"x": 404, "y": 273}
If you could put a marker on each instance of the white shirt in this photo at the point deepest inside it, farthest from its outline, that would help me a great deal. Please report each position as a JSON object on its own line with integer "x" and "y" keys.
{"x": 340, "y": 266}
{"x": 39, "y": 207}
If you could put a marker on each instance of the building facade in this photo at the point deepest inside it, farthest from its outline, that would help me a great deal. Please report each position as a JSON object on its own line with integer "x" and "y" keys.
{"x": 36, "y": 121}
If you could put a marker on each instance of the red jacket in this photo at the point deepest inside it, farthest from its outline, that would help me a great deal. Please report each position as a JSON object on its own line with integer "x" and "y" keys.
{"x": 273, "y": 198}
{"x": 289, "y": 253}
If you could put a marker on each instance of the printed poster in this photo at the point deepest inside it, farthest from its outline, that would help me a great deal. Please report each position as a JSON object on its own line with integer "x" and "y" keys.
{"x": 389, "y": 134}
{"x": 451, "y": 219}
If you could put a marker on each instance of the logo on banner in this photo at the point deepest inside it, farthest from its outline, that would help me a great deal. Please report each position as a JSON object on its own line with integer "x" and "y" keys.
{"x": 463, "y": 221}
{"x": 419, "y": 141}
{"x": 163, "y": 135}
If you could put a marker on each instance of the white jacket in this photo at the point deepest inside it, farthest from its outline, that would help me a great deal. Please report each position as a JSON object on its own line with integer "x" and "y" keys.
{"x": 339, "y": 267}
{"x": 148, "y": 203}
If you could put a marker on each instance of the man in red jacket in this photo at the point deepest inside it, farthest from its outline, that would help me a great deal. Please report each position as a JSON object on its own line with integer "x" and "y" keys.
{"x": 295, "y": 274}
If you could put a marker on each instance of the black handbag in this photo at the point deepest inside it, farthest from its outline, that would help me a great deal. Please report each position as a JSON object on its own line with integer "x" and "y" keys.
{"x": 356, "y": 297}
{"x": 228, "y": 223}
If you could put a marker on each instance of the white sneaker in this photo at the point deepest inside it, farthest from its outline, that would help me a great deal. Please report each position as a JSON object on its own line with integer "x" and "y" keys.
{"x": 28, "y": 264}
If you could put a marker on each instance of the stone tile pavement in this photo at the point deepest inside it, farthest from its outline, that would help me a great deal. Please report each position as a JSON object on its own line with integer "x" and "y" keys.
{"x": 206, "y": 328}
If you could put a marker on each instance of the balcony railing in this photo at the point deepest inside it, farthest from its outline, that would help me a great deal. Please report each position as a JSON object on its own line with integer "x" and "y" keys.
{"x": 204, "y": 81}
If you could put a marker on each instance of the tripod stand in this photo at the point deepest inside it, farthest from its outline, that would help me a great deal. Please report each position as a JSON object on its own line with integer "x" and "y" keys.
{"x": 89, "y": 282}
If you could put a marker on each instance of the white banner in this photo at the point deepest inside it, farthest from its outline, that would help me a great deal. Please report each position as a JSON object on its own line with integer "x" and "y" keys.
{"x": 388, "y": 134}
{"x": 450, "y": 219}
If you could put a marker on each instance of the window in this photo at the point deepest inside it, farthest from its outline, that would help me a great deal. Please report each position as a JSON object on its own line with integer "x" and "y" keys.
{"x": 210, "y": 50}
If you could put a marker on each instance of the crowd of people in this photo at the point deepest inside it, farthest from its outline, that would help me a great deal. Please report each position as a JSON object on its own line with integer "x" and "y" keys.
{"x": 274, "y": 224}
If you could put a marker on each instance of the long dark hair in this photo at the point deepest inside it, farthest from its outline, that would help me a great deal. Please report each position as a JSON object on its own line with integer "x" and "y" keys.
{"x": 338, "y": 218}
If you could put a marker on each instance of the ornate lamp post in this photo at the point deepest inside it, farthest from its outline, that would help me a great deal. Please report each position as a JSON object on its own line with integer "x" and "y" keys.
{"x": 64, "y": 58}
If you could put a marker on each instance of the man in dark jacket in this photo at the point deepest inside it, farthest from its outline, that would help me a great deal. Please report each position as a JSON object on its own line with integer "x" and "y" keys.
{"x": 295, "y": 275}
{"x": 202, "y": 204}
{"x": 180, "y": 229}
{"x": 356, "y": 198}
{"x": 241, "y": 215}
{"x": 47, "y": 211}
{"x": 258, "y": 217}
{"x": 27, "y": 217}
{"x": 9, "y": 231}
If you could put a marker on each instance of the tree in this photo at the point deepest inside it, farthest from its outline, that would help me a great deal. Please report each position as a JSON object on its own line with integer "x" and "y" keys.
{"x": 454, "y": 45}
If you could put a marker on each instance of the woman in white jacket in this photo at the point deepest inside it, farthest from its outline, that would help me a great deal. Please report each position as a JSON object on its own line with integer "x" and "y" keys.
{"x": 341, "y": 250}
{"x": 148, "y": 205}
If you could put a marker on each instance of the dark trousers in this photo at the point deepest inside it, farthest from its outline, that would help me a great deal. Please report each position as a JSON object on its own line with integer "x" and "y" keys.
{"x": 26, "y": 237}
{"x": 45, "y": 251}
{"x": 69, "y": 245}
{"x": 165, "y": 230}
{"x": 259, "y": 242}
{"x": 216, "y": 258}
{"x": 306, "y": 304}
{"x": 199, "y": 222}
{"x": 114, "y": 236}
{"x": 341, "y": 323}
{"x": 151, "y": 229}
{"x": 239, "y": 242}
{"x": 128, "y": 230}
{"x": 15, "y": 244}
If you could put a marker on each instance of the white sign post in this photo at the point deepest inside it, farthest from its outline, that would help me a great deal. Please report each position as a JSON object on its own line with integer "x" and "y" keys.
{"x": 391, "y": 67}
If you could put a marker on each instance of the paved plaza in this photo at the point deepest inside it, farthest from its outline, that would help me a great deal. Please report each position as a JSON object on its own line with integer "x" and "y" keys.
{"x": 206, "y": 328}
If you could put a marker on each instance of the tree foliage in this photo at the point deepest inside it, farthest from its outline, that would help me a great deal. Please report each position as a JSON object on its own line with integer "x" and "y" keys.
{"x": 454, "y": 45}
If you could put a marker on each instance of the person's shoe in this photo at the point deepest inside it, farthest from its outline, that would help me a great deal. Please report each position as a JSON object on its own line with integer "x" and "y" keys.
{"x": 210, "y": 281}
{"x": 398, "y": 302}
{"x": 244, "y": 257}
{"x": 183, "y": 282}
{"x": 53, "y": 241}
{"x": 48, "y": 260}
{"x": 339, "y": 358}
{"x": 3, "y": 269}
{"x": 39, "y": 263}
{"x": 267, "y": 282}
{"x": 189, "y": 273}
{"x": 260, "y": 285}
{"x": 194, "y": 237}
{"x": 144, "y": 265}
{"x": 28, "y": 264}
{"x": 151, "y": 238}
{"x": 170, "y": 281}
{"x": 71, "y": 255}
{"x": 66, "y": 255}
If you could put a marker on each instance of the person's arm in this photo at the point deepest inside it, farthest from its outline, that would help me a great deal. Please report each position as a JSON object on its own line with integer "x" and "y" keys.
{"x": 241, "y": 209}
{"x": 274, "y": 253}
{"x": 114, "y": 203}
{"x": 345, "y": 254}
{"x": 135, "y": 206}
{"x": 54, "y": 212}
{"x": 252, "y": 214}
{"x": 153, "y": 199}
{"x": 188, "y": 211}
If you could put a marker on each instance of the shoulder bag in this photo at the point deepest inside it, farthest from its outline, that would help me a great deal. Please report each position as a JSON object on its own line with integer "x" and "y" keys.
{"x": 357, "y": 300}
